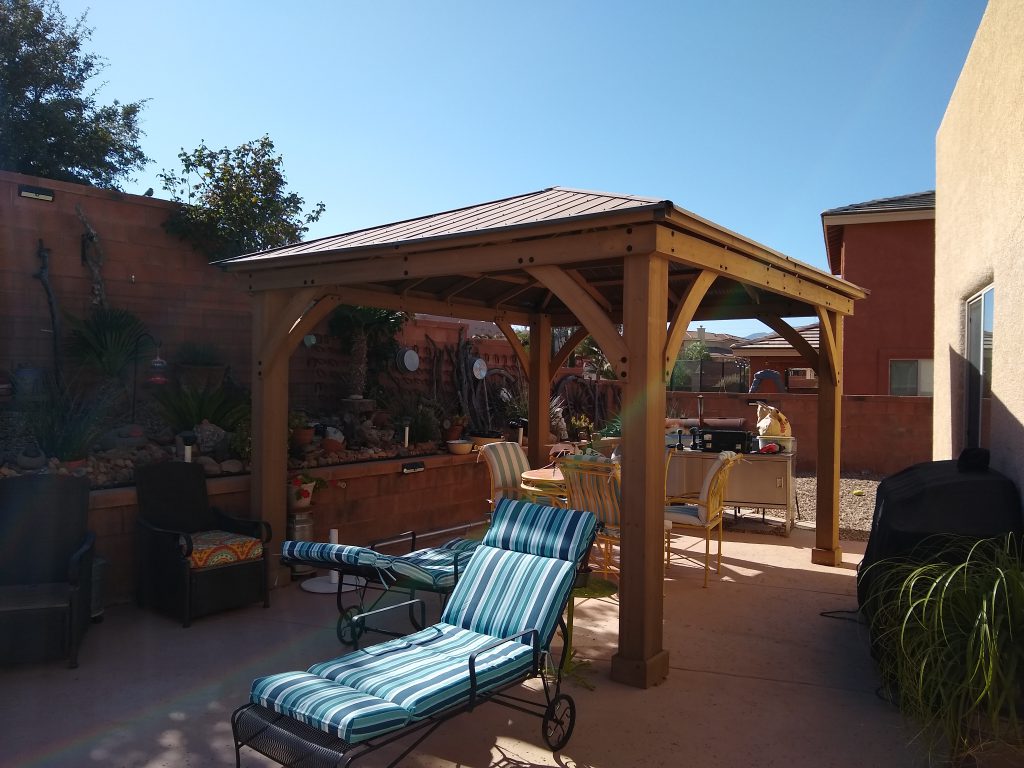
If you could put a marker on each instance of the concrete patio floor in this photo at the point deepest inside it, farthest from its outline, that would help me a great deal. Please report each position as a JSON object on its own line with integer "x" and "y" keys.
{"x": 758, "y": 678}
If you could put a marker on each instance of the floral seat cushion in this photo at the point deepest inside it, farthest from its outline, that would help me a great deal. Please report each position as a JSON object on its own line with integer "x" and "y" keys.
{"x": 210, "y": 548}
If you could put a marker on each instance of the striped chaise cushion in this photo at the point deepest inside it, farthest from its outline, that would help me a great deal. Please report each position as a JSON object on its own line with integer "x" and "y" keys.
{"x": 434, "y": 567}
{"x": 501, "y": 592}
{"x": 537, "y": 529}
{"x": 334, "y": 554}
{"x": 520, "y": 576}
{"x": 428, "y": 671}
{"x": 351, "y": 715}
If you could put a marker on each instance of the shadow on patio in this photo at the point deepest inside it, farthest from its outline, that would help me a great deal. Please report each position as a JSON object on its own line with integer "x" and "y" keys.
{"x": 759, "y": 677}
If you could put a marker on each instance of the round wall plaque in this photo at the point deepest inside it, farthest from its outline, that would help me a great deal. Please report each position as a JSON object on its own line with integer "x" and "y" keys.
{"x": 479, "y": 368}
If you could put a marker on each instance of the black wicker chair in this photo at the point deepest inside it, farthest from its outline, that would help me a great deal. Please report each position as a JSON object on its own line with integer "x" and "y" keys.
{"x": 46, "y": 557}
{"x": 193, "y": 559}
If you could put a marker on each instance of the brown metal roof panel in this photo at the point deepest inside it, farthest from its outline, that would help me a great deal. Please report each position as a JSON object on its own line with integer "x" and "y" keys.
{"x": 546, "y": 205}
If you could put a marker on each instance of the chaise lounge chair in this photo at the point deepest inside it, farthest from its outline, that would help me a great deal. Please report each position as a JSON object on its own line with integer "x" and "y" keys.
{"x": 433, "y": 569}
{"x": 494, "y": 633}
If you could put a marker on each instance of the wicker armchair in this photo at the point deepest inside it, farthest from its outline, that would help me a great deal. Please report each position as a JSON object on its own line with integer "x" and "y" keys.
{"x": 46, "y": 557}
{"x": 193, "y": 559}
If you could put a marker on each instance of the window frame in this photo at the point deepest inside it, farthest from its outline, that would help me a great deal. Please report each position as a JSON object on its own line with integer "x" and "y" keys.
{"x": 918, "y": 377}
{"x": 978, "y": 365}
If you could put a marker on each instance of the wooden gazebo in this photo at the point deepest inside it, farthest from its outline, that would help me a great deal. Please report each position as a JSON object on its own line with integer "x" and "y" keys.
{"x": 556, "y": 258}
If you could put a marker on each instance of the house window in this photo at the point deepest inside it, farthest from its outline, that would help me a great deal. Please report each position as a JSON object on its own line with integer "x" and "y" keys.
{"x": 909, "y": 378}
{"x": 979, "y": 367}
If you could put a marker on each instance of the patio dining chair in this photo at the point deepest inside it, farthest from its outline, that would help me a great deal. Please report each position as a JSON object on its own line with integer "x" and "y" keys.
{"x": 704, "y": 512}
{"x": 593, "y": 484}
{"x": 506, "y": 462}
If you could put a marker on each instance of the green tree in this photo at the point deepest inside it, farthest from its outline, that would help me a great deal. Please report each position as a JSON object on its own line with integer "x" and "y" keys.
{"x": 235, "y": 201}
{"x": 698, "y": 350}
{"x": 51, "y": 124}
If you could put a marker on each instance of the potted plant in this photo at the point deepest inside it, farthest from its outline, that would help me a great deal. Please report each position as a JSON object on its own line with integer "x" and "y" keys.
{"x": 299, "y": 429}
{"x": 301, "y": 488}
{"x": 455, "y": 425}
{"x": 948, "y": 634}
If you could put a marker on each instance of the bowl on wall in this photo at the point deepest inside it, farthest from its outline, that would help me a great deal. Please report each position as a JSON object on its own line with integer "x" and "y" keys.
{"x": 460, "y": 447}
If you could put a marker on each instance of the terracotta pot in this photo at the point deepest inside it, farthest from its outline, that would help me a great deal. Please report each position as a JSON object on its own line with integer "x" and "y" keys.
{"x": 454, "y": 432}
{"x": 302, "y": 436}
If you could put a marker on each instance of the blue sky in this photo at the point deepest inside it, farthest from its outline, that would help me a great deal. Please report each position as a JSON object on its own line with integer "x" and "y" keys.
{"x": 756, "y": 115}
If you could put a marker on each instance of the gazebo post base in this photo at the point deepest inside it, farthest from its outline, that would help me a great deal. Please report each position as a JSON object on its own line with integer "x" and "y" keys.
{"x": 832, "y": 557}
{"x": 640, "y": 673}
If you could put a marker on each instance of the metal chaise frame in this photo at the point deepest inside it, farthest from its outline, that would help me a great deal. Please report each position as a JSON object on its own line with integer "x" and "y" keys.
{"x": 364, "y": 578}
{"x": 294, "y": 743}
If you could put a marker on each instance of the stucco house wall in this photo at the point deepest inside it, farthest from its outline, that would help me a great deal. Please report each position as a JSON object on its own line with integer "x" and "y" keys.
{"x": 980, "y": 234}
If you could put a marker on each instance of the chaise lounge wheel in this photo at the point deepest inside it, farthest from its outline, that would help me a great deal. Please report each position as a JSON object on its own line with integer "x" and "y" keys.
{"x": 348, "y": 630}
{"x": 559, "y": 720}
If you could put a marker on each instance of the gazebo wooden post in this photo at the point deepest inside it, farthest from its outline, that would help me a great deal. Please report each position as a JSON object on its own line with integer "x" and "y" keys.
{"x": 269, "y": 419}
{"x": 641, "y": 660}
{"x": 830, "y": 399}
{"x": 540, "y": 388}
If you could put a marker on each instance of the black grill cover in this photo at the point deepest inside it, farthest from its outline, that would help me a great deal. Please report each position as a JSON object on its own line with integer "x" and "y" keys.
{"x": 936, "y": 497}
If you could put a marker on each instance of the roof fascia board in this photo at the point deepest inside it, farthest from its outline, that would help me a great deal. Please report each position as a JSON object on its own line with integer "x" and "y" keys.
{"x": 766, "y": 352}
{"x": 878, "y": 217}
{"x": 730, "y": 241}
{"x": 771, "y": 274}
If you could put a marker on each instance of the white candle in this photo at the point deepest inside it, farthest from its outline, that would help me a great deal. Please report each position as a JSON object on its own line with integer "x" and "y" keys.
{"x": 333, "y": 536}
{"x": 519, "y": 435}
{"x": 188, "y": 454}
{"x": 405, "y": 441}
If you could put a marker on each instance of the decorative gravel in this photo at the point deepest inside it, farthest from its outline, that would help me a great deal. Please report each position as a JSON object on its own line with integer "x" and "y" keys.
{"x": 856, "y": 503}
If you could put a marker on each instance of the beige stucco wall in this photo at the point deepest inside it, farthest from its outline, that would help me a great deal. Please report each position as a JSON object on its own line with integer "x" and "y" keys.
{"x": 979, "y": 233}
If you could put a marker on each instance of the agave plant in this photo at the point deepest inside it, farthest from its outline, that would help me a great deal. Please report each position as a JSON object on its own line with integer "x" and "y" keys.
{"x": 949, "y": 637}
{"x": 107, "y": 340}
{"x": 183, "y": 407}
{"x": 67, "y": 422}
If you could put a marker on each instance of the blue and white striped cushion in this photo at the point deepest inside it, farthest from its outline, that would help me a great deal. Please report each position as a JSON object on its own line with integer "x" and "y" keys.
{"x": 429, "y": 671}
{"x": 334, "y": 554}
{"x": 339, "y": 710}
{"x": 434, "y": 567}
{"x": 502, "y": 593}
{"x": 538, "y": 529}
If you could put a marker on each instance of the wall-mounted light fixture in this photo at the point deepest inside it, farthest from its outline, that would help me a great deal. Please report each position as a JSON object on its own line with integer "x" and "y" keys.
{"x": 35, "y": 193}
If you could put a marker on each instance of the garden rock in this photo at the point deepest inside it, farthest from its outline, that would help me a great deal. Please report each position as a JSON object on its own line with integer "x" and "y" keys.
{"x": 231, "y": 466}
{"x": 210, "y": 467}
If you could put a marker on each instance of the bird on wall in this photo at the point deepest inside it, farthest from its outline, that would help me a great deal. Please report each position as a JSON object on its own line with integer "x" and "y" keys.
{"x": 148, "y": 192}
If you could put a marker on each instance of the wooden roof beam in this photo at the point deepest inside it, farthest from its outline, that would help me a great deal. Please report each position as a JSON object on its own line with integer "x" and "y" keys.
{"x": 589, "y": 313}
{"x": 686, "y": 249}
{"x": 682, "y": 317}
{"x": 382, "y": 265}
{"x": 790, "y": 334}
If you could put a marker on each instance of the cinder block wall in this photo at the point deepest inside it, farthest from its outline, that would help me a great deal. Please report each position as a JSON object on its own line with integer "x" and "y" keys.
{"x": 365, "y": 502}
{"x": 170, "y": 286}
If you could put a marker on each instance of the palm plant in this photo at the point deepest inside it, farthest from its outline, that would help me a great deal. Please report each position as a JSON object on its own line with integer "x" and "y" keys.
{"x": 949, "y": 637}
